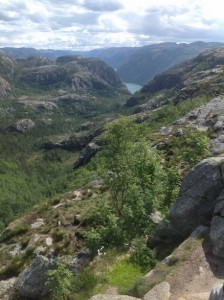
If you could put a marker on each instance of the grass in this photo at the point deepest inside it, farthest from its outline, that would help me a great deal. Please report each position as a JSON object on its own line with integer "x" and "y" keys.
{"x": 123, "y": 275}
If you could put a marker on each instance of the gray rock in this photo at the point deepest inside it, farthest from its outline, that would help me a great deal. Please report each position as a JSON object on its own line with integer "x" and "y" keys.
{"x": 5, "y": 87}
{"x": 217, "y": 227}
{"x": 86, "y": 154}
{"x": 218, "y": 126}
{"x": 5, "y": 286}
{"x": 217, "y": 293}
{"x": 178, "y": 132}
{"x": 113, "y": 297}
{"x": 200, "y": 232}
{"x": 21, "y": 126}
{"x": 170, "y": 260}
{"x": 195, "y": 204}
{"x": 38, "y": 105}
{"x": 218, "y": 144}
{"x": 156, "y": 217}
{"x": 78, "y": 262}
{"x": 31, "y": 282}
{"x": 198, "y": 193}
{"x": 159, "y": 292}
{"x": 217, "y": 235}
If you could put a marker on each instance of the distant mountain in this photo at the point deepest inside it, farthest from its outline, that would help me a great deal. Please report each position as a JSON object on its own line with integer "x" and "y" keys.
{"x": 70, "y": 83}
{"x": 151, "y": 60}
{"x": 133, "y": 64}
{"x": 201, "y": 76}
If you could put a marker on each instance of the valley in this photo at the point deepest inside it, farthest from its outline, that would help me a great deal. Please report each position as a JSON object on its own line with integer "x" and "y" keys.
{"x": 118, "y": 189}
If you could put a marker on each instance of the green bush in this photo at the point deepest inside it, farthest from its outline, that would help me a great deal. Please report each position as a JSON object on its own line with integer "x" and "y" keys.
{"x": 60, "y": 282}
{"x": 142, "y": 255}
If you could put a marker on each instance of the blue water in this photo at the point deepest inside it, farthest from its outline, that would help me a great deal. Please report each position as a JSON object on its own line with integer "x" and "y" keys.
{"x": 132, "y": 87}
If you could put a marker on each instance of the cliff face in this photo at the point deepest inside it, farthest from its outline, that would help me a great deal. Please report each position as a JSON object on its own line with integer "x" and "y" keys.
{"x": 190, "y": 76}
{"x": 6, "y": 75}
{"x": 72, "y": 72}
{"x": 198, "y": 77}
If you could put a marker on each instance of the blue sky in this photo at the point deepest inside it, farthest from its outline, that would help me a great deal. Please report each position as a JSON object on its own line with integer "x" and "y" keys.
{"x": 89, "y": 24}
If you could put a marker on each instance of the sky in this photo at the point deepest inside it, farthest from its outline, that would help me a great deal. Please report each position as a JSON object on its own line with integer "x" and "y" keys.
{"x": 91, "y": 24}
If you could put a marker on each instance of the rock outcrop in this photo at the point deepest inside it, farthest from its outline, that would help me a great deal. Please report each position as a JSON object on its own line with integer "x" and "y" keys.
{"x": 86, "y": 154}
{"x": 5, "y": 87}
{"x": 159, "y": 292}
{"x": 72, "y": 72}
{"x": 31, "y": 282}
{"x": 21, "y": 126}
{"x": 199, "y": 203}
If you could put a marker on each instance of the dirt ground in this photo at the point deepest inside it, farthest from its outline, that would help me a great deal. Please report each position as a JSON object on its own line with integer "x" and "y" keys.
{"x": 198, "y": 272}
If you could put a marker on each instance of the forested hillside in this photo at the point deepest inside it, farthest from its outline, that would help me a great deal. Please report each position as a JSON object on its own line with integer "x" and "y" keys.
{"x": 91, "y": 186}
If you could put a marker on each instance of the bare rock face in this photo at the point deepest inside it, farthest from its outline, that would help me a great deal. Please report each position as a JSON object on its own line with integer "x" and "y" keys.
{"x": 21, "y": 126}
{"x": 31, "y": 282}
{"x": 217, "y": 227}
{"x": 5, "y": 87}
{"x": 159, "y": 292}
{"x": 86, "y": 154}
{"x": 199, "y": 194}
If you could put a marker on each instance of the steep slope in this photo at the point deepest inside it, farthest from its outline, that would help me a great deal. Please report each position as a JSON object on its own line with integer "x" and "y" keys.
{"x": 134, "y": 64}
{"x": 58, "y": 227}
{"x": 72, "y": 72}
{"x": 150, "y": 60}
{"x": 201, "y": 76}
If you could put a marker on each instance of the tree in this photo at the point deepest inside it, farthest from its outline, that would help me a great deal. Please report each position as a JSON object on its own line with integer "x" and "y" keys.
{"x": 134, "y": 176}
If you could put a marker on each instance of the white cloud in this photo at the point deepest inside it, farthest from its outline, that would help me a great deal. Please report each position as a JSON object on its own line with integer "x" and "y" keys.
{"x": 86, "y": 24}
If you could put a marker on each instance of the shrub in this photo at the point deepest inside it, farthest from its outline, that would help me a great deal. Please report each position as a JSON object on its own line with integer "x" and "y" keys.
{"x": 60, "y": 282}
{"x": 142, "y": 255}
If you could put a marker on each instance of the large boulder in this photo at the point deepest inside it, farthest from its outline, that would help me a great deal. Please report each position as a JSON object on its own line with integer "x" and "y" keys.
{"x": 21, "y": 126}
{"x": 217, "y": 227}
{"x": 31, "y": 282}
{"x": 195, "y": 204}
{"x": 198, "y": 195}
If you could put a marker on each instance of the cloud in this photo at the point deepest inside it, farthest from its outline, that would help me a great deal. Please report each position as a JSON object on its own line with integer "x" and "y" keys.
{"x": 102, "y": 5}
{"x": 87, "y": 24}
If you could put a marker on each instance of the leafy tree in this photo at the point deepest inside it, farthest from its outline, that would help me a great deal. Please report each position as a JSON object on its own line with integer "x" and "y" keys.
{"x": 135, "y": 178}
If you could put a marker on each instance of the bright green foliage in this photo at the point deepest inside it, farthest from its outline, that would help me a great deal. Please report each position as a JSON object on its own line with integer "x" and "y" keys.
{"x": 192, "y": 147}
{"x": 60, "y": 282}
{"x": 124, "y": 274}
{"x": 135, "y": 179}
